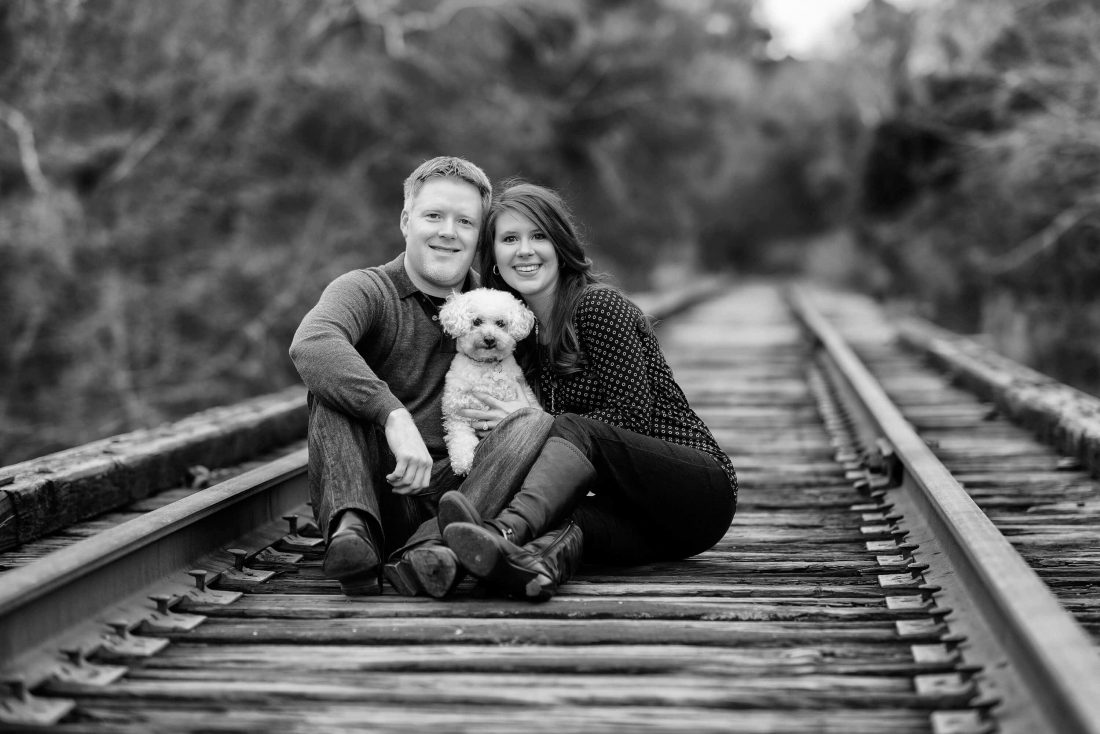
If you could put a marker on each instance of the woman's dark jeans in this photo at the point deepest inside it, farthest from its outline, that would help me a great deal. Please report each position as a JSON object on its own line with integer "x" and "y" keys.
{"x": 652, "y": 500}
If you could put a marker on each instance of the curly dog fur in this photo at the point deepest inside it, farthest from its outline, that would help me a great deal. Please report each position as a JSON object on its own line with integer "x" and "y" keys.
{"x": 486, "y": 325}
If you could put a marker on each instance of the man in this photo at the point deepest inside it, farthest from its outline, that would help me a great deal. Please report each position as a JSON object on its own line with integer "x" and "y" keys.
{"x": 374, "y": 358}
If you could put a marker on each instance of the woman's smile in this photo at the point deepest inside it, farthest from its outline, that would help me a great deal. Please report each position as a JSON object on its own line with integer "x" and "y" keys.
{"x": 525, "y": 256}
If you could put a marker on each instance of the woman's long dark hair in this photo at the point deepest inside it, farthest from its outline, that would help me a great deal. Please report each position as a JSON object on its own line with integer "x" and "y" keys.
{"x": 549, "y": 212}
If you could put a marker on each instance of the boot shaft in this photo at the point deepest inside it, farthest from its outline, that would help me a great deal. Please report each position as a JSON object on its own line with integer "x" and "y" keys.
{"x": 558, "y": 480}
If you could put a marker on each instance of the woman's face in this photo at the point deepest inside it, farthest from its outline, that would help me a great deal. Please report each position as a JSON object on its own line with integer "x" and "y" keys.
{"x": 525, "y": 256}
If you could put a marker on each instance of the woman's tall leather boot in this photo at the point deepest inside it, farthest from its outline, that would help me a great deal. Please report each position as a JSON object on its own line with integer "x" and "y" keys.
{"x": 533, "y": 572}
{"x": 558, "y": 479}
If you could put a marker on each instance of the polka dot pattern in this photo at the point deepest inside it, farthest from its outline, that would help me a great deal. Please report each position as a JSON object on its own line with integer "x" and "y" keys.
{"x": 626, "y": 381}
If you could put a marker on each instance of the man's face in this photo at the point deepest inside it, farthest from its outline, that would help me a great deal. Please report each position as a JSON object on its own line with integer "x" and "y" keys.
{"x": 440, "y": 226}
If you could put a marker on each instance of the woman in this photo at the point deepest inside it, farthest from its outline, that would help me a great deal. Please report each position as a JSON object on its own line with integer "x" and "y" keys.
{"x": 629, "y": 472}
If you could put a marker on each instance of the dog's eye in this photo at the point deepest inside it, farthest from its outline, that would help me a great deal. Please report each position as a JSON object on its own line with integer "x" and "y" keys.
{"x": 477, "y": 322}
{"x": 500, "y": 323}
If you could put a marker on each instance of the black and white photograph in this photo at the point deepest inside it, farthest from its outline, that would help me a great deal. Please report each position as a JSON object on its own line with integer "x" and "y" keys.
{"x": 550, "y": 366}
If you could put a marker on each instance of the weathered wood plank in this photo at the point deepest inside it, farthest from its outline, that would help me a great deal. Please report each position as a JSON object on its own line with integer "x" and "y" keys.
{"x": 541, "y": 631}
{"x": 324, "y": 606}
{"x": 385, "y": 718}
{"x": 517, "y": 689}
{"x": 622, "y": 659}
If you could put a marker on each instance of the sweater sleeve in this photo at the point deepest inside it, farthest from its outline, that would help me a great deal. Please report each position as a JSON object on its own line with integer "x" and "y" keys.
{"x": 612, "y": 331}
{"x": 324, "y": 348}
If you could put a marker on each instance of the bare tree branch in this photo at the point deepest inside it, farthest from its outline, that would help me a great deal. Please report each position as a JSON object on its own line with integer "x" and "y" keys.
{"x": 395, "y": 25}
{"x": 28, "y": 153}
{"x": 136, "y": 153}
{"x": 1045, "y": 240}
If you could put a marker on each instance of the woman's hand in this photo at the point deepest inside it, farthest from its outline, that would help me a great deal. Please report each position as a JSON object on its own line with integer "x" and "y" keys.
{"x": 486, "y": 419}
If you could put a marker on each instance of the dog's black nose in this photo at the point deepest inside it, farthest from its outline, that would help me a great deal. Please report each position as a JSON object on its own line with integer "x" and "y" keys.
{"x": 490, "y": 341}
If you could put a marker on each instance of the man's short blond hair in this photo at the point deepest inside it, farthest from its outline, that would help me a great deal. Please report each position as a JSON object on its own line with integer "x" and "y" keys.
{"x": 449, "y": 166}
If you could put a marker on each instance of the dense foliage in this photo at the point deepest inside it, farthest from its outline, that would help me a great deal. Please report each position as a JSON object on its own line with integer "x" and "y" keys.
{"x": 178, "y": 180}
{"x": 981, "y": 194}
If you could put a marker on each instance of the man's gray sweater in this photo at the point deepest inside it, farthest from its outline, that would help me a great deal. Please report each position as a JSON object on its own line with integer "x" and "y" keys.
{"x": 371, "y": 346}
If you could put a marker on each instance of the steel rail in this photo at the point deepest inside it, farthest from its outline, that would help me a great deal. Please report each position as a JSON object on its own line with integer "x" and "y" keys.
{"x": 71, "y": 585}
{"x": 1007, "y": 612}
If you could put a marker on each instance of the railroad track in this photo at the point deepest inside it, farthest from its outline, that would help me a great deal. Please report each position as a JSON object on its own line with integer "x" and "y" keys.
{"x": 839, "y": 601}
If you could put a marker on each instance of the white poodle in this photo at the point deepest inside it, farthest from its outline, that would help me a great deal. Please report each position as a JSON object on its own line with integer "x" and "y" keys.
{"x": 486, "y": 325}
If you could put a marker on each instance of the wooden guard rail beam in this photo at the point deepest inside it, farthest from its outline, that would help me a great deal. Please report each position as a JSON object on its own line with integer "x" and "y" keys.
{"x": 43, "y": 495}
{"x": 1062, "y": 416}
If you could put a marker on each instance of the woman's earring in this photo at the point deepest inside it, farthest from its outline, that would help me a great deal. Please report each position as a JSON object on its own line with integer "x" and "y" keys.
{"x": 496, "y": 272}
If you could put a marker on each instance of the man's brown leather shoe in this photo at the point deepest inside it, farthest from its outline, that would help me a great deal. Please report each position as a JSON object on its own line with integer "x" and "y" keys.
{"x": 431, "y": 568}
{"x": 352, "y": 559}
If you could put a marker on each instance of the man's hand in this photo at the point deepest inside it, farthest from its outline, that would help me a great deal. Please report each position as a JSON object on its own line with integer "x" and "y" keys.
{"x": 413, "y": 472}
